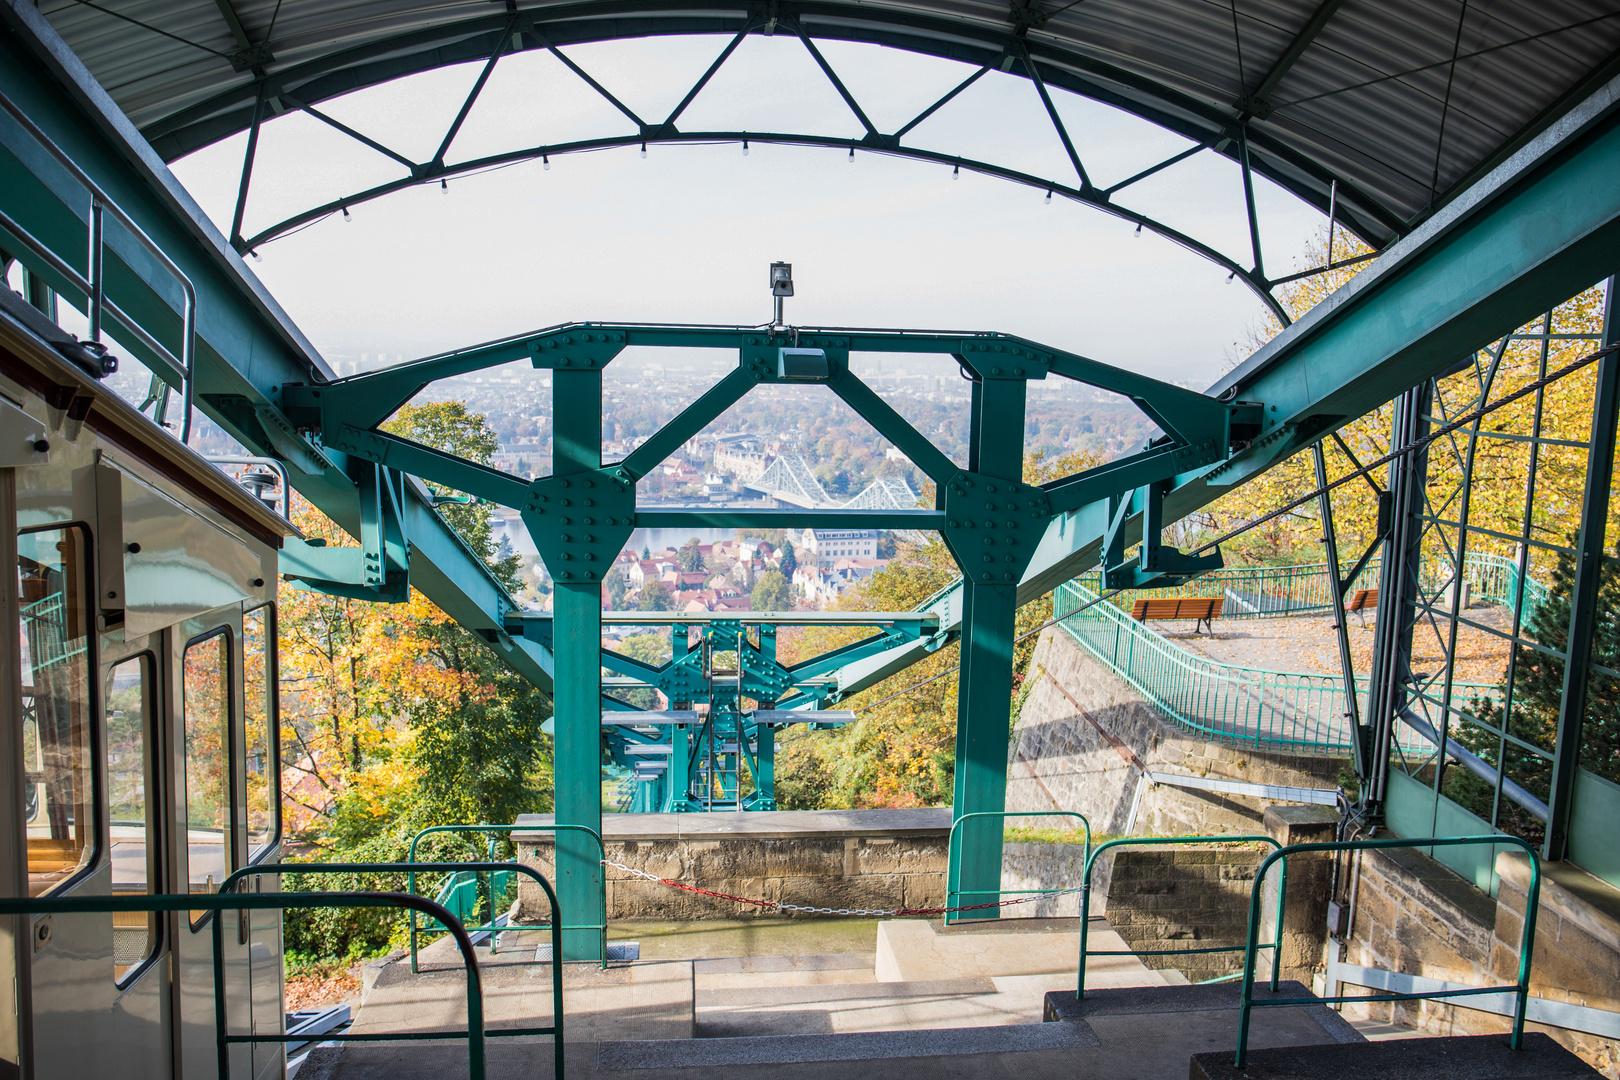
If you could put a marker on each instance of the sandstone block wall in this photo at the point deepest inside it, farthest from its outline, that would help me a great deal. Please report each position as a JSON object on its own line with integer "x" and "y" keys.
{"x": 1058, "y": 759}
{"x": 1415, "y": 916}
{"x": 873, "y": 859}
{"x": 1184, "y": 898}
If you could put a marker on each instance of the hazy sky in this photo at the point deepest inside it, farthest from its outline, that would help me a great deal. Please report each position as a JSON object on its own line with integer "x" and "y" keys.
{"x": 686, "y": 233}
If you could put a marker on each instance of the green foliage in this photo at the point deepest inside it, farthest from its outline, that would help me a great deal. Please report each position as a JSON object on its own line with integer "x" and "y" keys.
{"x": 650, "y": 648}
{"x": 772, "y": 593}
{"x": 655, "y": 596}
{"x": 617, "y": 586}
{"x": 790, "y": 561}
{"x": 689, "y": 558}
{"x": 1537, "y": 681}
{"x": 450, "y": 427}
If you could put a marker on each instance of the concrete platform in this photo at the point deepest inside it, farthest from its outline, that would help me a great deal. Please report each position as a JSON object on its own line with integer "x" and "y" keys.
{"x": 1462, "y": 1057}
{"x": 913, "y": 949}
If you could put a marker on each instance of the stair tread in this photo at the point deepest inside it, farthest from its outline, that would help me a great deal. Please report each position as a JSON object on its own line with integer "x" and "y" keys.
{"x": 854, "y": 1046}
{"x": 756, "y": 996}
{"x": 1457, "y": 1057}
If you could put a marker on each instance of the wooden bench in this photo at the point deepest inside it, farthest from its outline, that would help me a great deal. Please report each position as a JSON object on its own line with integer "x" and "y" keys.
{"x": 1361, "y": 601}
{"x": 1201, "y": 609}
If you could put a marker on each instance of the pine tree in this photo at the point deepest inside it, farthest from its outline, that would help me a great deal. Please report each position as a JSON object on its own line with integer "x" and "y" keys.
{"x": 1537, "y": 681}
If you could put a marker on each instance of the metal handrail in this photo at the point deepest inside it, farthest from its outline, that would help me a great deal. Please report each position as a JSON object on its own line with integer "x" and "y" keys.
{"x": 1291, "y": 712}
{"x": 1248, "y": 948}
{"x": 953, "y": 868}
{"x": 216, "y": 902}
{"x": 1527, "y": 935}
{"x": 556, "y": 952}
{"x": 451, "y": 923}
{"x": 93, "y": 283}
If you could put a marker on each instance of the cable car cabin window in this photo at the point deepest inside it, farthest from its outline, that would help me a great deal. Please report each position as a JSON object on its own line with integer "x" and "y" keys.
{"x": 207, "y": 705}
{"x": 132, "y": 804}
{"x": 262, "y": 723}
{"x": 53, "y": 595}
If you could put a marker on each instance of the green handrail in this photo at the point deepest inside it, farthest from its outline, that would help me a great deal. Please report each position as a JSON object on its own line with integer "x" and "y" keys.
{"x": 556, "y": 953}
{"x": 1152, "y": 841}
{"x": 277, "y": 902}
{"x": 451, "y": 923}
{"x": 953, "y": 869}
{"x": 1527, "y": 935}
{"x": 1294, "y": 712}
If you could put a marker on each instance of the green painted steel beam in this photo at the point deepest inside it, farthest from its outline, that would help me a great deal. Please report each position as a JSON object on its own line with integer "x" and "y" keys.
{"x": 1536, "y": 231}
{"x": 923, "y": 520}
{"x": 247, "y": 348}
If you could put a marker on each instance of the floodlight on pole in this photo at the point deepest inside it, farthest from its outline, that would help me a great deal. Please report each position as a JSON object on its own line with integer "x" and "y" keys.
{"x": 781, "y": 285}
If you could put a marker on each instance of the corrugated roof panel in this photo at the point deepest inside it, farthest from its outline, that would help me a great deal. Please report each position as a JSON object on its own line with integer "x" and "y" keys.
{"x": 1362, "y": 103}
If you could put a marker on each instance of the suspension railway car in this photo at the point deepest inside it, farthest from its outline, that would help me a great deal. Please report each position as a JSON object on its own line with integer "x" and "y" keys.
{"x": 140, "y": 728}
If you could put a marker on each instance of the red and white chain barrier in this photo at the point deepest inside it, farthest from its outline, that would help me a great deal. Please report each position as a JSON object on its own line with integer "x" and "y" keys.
{"x": 801, "y": 909}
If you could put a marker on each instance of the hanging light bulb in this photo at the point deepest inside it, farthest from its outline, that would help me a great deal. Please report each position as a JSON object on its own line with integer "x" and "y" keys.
{"x": 346, "y": 216}
{"x": 852, "y": 155}
{"x": 255, "y": 255}
{"x": 643, "y": 149}
{"x": 1230, "y": 277}
{"x": 745, "y": 148}
{"x": 545, "y": 162}
{"x": 1139, "y": 230}
{"x": 444, "y": 187}
{"x": 956, "y": 173}
{"x": 1048, "y": 196}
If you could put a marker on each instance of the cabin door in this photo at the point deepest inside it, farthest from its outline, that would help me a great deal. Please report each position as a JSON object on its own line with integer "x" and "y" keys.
{"x": 99, "y": 989}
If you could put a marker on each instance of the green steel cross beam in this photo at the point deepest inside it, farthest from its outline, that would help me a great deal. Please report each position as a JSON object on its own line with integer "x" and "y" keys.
{"x": 581, "y": 516}
{"x": 1537, "y": 230}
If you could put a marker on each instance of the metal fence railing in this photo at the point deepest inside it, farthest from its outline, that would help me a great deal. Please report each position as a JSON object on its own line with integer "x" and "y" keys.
{"x": 226, "y": 900}
{"x": 1269, "y": 592}
{"x": 1284, "y": 711}
{"x": 492, "y": 890}
{"x": 476, "y": 1033}
{"x": 1519, "y": 989}
{"x": 953, "y": 865}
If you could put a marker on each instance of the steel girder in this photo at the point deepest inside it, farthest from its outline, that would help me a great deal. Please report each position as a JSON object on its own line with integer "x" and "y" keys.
{"x": 1537, "y": 230}
{"x": 247, "y": 347}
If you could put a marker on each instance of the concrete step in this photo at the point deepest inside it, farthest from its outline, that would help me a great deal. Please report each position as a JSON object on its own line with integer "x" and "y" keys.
{"x": 864, "y": 1046}
{"x": 1216, "y": 998}
{"x": 738, "y": 972}
{"x": 1460, "y": 1057}
{"x": 912, "y": 949}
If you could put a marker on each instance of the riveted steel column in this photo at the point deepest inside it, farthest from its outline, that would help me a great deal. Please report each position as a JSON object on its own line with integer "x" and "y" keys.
{"x": 1583, "y": 604}
{"x": 984, "y": 688}
{"x": 577, "y": 626}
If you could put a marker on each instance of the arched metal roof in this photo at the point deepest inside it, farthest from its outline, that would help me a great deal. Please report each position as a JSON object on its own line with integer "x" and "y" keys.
{"x": 1400, "y": 103}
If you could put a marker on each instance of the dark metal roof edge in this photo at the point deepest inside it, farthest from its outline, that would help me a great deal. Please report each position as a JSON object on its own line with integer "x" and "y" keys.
{"x": 50, "y": 50}
{"x": 1591, "y": 111}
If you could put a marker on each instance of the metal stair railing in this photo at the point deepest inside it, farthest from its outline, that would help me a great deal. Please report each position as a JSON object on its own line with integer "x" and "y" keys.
{"x": 953, "y": 868}
{"x": 508, "y": 867}
{"x": 219, "y": 902}
{"x": 475, "y": 1000}
{"x": 1280, "y": 711}
{"x": 1527, "y": 935}
{"x": 1156, "y": 841}
{"x": 92, "y": 283}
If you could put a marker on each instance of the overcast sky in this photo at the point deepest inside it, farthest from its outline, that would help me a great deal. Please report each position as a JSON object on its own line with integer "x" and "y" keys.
{"x": 686, "y": 233}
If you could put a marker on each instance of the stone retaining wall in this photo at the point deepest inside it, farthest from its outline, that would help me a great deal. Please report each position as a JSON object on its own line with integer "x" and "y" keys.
{"x": 1415, "y": 916}
{"x": 878, "y": 859}
{"x": 1061, "y": 759}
